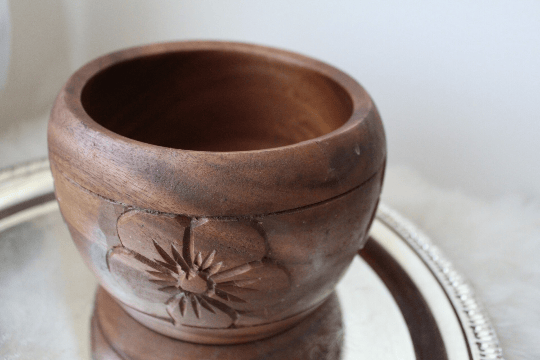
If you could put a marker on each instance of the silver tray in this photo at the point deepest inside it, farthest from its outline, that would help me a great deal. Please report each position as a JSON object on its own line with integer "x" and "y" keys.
{"x": 400, "y": 299}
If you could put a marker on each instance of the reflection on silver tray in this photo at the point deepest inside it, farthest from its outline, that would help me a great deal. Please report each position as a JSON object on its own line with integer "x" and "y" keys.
{"x": 401, "y": 298}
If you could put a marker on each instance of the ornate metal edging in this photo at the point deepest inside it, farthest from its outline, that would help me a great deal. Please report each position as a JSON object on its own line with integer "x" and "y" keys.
{"x": 480, "y": 334}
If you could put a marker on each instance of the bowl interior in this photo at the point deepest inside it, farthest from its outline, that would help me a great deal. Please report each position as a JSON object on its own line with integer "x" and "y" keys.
{"x": 215, "y": 101}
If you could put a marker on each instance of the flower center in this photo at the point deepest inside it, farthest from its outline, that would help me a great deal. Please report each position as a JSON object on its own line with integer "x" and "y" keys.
{"x": 196, "y": 285}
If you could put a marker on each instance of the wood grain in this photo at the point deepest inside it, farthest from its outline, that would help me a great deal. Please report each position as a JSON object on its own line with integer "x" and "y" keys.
{"x": 218, "y": 190}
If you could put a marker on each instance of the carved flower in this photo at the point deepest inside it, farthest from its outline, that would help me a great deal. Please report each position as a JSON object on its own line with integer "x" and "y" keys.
{"x": 206, "y": 272}
{"x": 198, "y": 282}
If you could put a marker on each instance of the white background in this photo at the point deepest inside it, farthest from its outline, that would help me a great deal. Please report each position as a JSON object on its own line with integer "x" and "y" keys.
{"x": 457, "y": 82}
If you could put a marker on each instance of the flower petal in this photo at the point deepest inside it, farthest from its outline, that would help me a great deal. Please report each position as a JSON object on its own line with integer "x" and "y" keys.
{"x": 169, "y": 289}
{"x": 179, "y": 259}
{"x": 214, "y": 268}
{"x": 183, "y": 305}
{"x": 234, "y": 242}
{"x": 161, "y": 275}
{"x": 208, "y": 261}
{"x": 133, "y": 274}
{"x": 265, "y": 283}
{"x": 164, "y": 282}
{"x": 236, "y": 271}
{"x": 240, "y": 283}
{"x": 198, "y": 260}
{"x": 226, "y": 296}
{"x": 173, "y": 308}
{"x": 141, "y": 231}
{"x": 164, "y": 254}
{"x": 224, "y": 308}
{"x": 206, "y": 305}
{"x": 195, "y": 305}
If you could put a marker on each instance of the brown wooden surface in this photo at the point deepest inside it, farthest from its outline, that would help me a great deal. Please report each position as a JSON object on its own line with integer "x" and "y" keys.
{"x": 343, "y": 149}
{"x": 219, "y": 191}
{"x": 115, "y": 336}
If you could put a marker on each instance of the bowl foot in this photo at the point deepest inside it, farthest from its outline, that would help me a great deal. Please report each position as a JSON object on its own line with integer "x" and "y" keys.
{"x": 117, "y": 336}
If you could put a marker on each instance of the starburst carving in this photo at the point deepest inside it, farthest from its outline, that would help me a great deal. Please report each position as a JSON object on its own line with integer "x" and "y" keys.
{"x": 197, "y": 284}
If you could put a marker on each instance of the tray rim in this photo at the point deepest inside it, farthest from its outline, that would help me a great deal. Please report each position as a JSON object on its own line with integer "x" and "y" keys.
{"x": 476, "y": 324}
{"x": 480, "y": 335}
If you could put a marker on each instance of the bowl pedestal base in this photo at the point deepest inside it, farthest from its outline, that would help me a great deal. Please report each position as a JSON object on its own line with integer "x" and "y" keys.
{"x": 116, "y": 335}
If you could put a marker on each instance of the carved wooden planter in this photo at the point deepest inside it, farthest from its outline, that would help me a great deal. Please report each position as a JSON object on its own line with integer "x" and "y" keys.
{"x": 217, "y": 190}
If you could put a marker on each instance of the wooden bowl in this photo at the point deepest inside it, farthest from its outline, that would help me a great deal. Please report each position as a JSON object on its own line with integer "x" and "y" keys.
{"x": 218, "y": 190}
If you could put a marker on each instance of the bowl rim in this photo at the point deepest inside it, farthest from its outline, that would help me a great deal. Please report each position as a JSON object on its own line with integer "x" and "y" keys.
{"x": 76, "y": 83}
{"x": 301, "y": 174}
